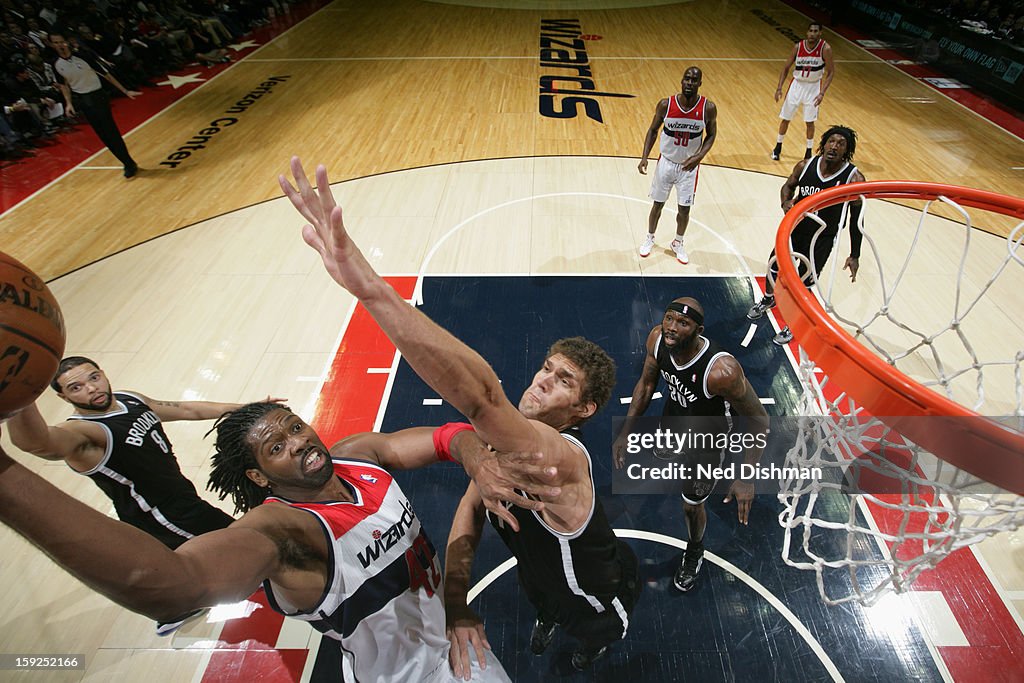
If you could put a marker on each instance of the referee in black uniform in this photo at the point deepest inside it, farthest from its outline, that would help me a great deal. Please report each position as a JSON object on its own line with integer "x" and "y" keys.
{"x": 83, "y": 79}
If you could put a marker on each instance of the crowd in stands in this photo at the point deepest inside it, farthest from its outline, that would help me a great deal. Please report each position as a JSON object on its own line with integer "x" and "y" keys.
{"x": 137, "y": 41}
{"x": 1002, "y": 20}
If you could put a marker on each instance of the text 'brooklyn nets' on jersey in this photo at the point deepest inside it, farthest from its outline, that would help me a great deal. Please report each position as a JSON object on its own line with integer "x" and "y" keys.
{"x": 140, "y": 474}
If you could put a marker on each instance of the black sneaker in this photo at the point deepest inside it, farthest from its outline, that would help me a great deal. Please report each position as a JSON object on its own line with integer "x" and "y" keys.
{"x": 777, "y": 152}
{"x": 131, "y": 170}
{"x": 686, "y": 575}
{"x": 543, "y": 633}
{"x": 758, "y": 310}
{"x": 807, "y": 154}
{"x": 582, "y": 659}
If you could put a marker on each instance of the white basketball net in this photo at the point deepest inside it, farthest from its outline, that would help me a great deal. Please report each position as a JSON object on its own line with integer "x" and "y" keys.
{"x": 885, "y": 509}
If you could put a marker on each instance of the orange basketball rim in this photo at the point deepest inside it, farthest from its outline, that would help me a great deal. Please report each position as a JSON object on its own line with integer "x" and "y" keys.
{"x": 956, "y": 434}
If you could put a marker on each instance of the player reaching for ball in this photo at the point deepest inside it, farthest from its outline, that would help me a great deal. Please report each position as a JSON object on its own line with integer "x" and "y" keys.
{"x": 117, "y": 439}
{"x": 310, "y": 511}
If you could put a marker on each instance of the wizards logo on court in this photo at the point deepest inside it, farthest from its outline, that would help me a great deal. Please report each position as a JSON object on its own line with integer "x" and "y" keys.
{"x": 563, "y": 48}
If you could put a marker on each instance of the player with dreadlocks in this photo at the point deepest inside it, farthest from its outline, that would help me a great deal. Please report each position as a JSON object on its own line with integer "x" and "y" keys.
{"x": 327, "y": 532}
{"x": 816, "y": 234}
{"x": 232, "y": 458}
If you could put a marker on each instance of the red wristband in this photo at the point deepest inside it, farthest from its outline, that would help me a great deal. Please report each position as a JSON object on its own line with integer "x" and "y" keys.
{"x": 443, "y": 436}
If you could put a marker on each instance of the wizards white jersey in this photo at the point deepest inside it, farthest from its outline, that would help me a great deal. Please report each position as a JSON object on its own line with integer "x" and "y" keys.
{"x": 682, "y": 130}
{"x": 809, "y": 66}
{"x": 383, "y": 598}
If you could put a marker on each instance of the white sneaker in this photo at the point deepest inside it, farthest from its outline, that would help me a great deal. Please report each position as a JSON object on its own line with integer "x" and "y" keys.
{"x": 680, "y": 250}
{"x": 647, "y": 246}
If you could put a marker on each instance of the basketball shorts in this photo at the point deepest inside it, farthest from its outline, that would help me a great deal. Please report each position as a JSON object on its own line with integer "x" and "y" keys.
{"x": 801, "y": 94}
{"x": 175, "y": 520}
{"x": 814, "y": 244}
{"x": 667, "y": 175}
{"x": 595, "y": 629}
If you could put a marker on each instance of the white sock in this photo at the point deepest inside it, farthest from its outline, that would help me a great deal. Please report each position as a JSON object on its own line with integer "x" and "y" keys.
{"x": 779, "y": 139}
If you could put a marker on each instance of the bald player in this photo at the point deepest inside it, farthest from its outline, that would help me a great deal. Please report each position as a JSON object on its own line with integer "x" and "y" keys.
{"x": 707, "y": 385}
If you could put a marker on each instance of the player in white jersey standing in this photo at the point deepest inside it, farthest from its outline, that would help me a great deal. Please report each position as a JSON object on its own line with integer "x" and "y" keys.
{"x": 813, "y": 69}
{"x": 687, "y": 125}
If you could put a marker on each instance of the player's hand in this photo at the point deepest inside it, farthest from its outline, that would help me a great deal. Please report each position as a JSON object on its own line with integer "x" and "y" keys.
{"x": 642, "y": 166}
{"x": 853, "y": 265}
{"x": 499, "y": 477}
{"x": 274, "y": 399}
{"x": 691, "y": 163}
{"x": 326, "y": 231}
{"x": 778, "y": 94}
{"x": 744, "y": 493}
{"x": 818, "y": 99}
{"x": 464, "y": 627}
{"x": 787, "y": 205}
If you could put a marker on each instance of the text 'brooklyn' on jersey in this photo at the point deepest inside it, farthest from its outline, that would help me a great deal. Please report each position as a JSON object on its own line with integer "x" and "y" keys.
{"x": 140, "y": 474}
{"x": 813, "y": 180}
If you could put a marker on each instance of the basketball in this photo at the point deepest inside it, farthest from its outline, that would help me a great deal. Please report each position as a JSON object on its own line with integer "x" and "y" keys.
{"x": 31, "y": 336}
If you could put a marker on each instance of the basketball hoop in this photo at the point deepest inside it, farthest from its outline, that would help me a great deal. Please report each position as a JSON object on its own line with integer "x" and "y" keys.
{"x": 912, "y": 472}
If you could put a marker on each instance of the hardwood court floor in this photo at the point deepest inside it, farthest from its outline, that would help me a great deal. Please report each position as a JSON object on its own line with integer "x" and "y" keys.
{"x": 370, "y": 90}
{"x": 237, "y": 307}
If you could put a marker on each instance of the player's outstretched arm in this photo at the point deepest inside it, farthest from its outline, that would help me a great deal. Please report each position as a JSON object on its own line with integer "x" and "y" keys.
{"x": 450, "y": 367}
{"x": 125, "y": 564}
{"x": 170, "y": 411}
{"x": 497, "y": 475}
{"x": 30, "y": 433}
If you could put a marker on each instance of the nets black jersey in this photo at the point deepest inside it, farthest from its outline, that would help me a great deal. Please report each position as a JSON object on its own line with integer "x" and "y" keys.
{"x": 573, "y": 577}
{"x": 812, "y": 181}
{"x": 140, "y": 474}
{"x": 688, "y": 394}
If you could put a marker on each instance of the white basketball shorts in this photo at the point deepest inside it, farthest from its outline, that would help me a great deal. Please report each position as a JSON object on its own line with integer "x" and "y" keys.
{"x": 801, "y": 94}
{"x": 668, "y": 175}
